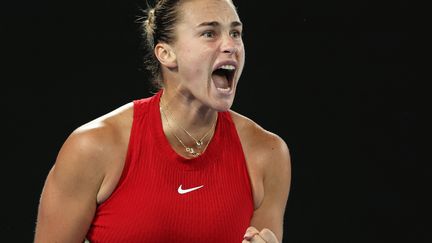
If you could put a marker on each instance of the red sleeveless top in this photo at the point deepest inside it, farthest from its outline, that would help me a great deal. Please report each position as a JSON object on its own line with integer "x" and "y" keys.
{"x": 163, "y": 197}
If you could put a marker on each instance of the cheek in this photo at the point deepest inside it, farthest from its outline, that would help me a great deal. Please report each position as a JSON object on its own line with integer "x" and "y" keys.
{"x": 194, "y": 61}
{"x": 193, "y": 67}
{"x": 242, "y": 51}
{"x": 198, "y": 63}
{"x": 190, "y": 56}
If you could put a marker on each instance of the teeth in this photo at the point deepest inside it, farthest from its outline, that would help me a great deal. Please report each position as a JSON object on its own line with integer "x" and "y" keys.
{"x": 228, "y": 67}
{"x": 224, "y": 89}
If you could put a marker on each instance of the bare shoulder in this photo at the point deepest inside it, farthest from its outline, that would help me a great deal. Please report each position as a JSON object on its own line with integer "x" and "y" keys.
{"x": 269, "y": 166}
{"x": 72, "y": 187}
{"x": 108, "y": 129}
{"x": 267, "y": 157}
{"x": 260, "y": 143}
{"x": 101, "y": 134}
{"x": 93, "y": 147}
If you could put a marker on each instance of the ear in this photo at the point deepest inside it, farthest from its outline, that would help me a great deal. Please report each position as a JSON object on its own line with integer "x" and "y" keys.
{"x": 165, "y": 54}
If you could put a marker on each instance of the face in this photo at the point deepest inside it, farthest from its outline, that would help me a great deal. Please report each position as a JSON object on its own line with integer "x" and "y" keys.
{"x": 209, "y": 51}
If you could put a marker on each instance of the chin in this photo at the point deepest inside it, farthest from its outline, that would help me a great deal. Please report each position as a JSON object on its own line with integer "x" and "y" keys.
{"x": 223, "y": 104}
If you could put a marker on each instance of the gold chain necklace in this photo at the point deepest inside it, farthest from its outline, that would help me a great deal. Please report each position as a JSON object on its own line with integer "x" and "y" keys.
{"x": 188, "y": 149}
{"x": 198, "y": 142}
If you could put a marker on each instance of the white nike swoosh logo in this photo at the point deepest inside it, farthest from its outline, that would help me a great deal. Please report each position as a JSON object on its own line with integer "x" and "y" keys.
{"x": 181, "y": 191}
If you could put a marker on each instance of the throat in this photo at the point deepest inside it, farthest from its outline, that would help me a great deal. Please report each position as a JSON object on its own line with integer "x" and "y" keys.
{"x": 186, "y": 143}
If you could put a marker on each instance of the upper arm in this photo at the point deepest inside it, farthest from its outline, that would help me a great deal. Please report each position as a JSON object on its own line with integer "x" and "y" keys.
{"x": 68, "y": 200}
{"x": 276, "y": 165}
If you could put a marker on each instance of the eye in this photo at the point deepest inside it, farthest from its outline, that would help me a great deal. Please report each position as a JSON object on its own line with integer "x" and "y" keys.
{"x": 208, "y": 34}
{"x": 236, "y": 34}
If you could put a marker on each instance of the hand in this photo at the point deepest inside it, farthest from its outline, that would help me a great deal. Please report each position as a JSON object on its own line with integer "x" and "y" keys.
{"x": 254, "y": 236}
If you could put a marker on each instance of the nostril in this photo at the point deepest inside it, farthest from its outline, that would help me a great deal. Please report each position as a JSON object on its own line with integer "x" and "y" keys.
{"x": 230, "y": 50}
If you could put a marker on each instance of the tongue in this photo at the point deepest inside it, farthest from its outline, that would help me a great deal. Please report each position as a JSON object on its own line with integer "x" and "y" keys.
{"x": 220, "y": 81}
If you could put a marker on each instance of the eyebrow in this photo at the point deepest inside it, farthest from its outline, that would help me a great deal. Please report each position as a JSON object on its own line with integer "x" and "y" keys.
{"x": 215, "y": 24}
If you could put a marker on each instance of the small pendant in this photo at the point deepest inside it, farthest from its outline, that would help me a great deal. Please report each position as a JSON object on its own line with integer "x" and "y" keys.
{"x": 199, "y": 143}
{"x": 192, "y": 152}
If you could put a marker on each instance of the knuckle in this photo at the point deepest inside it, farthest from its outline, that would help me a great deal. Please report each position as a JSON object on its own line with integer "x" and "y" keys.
{"x": 268, "y": 235}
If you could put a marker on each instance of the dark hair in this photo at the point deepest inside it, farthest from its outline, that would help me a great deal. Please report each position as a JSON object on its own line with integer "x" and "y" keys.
{"x": 158, "y": 26}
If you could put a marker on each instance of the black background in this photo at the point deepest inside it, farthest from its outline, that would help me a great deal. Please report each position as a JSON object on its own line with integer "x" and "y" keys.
{"x": 329, "y": 77}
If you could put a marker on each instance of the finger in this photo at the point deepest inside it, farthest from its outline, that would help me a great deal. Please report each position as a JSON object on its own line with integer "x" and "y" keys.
{"x": 257, "y": 239}
{"x": 268, "y": 236}
{"x": 250, "y": 233}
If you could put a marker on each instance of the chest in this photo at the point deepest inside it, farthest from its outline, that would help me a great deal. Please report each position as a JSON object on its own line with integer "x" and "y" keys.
{"x": 178, "y": 203}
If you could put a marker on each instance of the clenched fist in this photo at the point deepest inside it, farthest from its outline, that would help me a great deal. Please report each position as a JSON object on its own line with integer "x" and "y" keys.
{"x": 252, "y": 235}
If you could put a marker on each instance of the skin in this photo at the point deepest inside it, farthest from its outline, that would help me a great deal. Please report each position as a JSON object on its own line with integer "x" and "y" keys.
{"x": 91, "y": 160}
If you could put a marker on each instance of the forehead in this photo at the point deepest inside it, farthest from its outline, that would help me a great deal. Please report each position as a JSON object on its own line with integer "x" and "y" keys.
{"x": 198, "y": 11}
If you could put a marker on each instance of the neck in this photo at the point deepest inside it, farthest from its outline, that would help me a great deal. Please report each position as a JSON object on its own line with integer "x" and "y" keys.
{"x": 188, "y": 128}
{"x": 187, "y": 112}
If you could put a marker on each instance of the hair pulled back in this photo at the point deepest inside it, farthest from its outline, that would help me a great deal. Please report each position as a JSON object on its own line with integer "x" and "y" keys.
{"x": 158, "y": 27}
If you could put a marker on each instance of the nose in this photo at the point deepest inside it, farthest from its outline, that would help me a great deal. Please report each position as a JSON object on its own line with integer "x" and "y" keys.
{"x": 229, "y": 45}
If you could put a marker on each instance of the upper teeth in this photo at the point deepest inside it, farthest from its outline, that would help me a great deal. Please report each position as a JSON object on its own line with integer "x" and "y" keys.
{"x": 228, "y": 67}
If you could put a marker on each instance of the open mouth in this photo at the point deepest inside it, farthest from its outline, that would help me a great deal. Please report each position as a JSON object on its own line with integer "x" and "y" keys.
{"x": 223, "y": 77}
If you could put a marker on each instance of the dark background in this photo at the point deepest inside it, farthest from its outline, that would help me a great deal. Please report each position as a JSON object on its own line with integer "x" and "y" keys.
{"x": 329, "y": 77}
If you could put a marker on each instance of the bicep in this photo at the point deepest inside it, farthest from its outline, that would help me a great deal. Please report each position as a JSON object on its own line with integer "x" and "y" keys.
{"x": 68, "y": 200}
{"x": 276, "y": 182}
{"x": 63, "y": 216}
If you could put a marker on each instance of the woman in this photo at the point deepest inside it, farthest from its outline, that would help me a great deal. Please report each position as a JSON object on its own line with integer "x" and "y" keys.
{"x": 179, "y": 166}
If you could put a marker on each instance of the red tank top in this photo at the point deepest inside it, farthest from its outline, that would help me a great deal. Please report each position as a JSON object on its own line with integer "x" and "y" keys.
{"x": 214, "y": 203}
